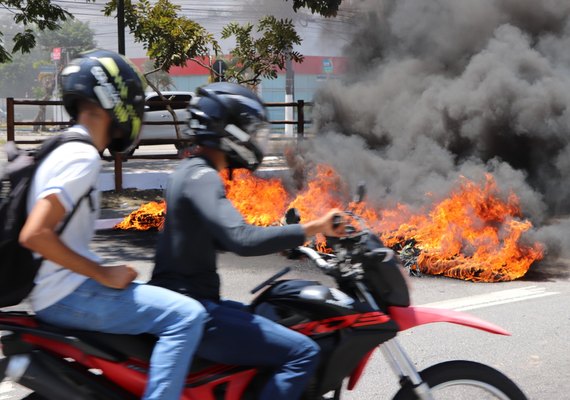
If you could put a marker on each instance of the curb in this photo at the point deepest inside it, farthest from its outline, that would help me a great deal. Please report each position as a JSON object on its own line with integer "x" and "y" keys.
{"x": 106, "y": 224}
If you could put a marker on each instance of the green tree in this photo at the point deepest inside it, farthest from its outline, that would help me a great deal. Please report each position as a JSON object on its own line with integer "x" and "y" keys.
{"x": 327, "y": 8}
{"x": 33, "y": 15}
{"x": 18, "y": 77}
{"x": 169, "y": 39}
{"x": 262, "y": 55}
{"x": 173, "y": 40}
{"x": 73, "y": 37}
{"x": 45, "y": 15}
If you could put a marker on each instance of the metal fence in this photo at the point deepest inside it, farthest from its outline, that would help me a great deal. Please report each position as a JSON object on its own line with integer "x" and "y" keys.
{"x": 11, "y": 133}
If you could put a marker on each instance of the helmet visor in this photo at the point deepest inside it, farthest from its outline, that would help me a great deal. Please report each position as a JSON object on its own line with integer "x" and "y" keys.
{"x": 249, "y": 147}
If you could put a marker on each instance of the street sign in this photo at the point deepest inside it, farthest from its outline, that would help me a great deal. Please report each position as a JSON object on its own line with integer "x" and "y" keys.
{"x": 327, "y": 66}
{"x": 56, "y": 54}
{"x": 219, "y": 67}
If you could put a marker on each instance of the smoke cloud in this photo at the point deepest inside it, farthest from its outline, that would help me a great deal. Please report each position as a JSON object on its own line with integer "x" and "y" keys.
{"x": 439, "y": 89}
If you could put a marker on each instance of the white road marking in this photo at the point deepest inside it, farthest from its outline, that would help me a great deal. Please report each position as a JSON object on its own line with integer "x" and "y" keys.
{"x": 492, "y": 299}
{"x": 6, "y": 388}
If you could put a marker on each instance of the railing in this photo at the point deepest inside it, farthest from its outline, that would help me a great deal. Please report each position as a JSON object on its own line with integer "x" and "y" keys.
{"x": 11, "y": 125}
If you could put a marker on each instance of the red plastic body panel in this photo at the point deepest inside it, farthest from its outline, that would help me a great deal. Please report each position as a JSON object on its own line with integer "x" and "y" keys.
{"x": 409, "y": 317}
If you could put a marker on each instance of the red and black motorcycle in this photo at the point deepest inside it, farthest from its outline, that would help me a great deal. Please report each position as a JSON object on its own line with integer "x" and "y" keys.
{"x": 366, "y": 310}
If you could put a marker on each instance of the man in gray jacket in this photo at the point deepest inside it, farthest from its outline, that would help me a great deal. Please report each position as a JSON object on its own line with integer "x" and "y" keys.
{"x": 225, "y": 119}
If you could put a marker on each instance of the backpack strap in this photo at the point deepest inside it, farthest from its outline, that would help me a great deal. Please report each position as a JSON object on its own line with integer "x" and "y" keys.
{"x": 75, "y": 207}
{"x": 53, "y": 142}
{"x": 60, "y": 230}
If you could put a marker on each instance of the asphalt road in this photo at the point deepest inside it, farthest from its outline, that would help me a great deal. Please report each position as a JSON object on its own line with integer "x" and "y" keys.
{"x": 534, "y": 309}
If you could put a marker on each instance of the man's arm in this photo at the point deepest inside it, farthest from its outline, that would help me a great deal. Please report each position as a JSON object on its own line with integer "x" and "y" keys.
{"x": 230, "y": 229}
{"x": 39, "y": 235}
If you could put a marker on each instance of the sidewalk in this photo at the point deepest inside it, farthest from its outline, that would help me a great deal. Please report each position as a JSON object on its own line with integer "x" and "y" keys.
{"x": 153, "y": 174}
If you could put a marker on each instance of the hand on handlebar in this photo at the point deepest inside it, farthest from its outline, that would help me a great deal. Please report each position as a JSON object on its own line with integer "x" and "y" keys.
{"x": 330, "y": 224}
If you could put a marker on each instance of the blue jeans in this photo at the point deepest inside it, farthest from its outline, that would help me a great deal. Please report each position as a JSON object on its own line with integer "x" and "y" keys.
{"x": 233, "y": 336}
{"x": 175, "y": 319}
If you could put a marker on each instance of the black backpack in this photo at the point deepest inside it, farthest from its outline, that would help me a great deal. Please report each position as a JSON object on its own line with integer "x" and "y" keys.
{"x": 18, "y": 267}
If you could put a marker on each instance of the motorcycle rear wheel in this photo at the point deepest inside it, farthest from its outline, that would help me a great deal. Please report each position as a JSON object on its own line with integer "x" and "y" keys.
{"x": 445, "y": 378}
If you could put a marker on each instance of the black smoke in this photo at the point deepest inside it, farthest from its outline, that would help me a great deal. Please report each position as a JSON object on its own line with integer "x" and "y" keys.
{"x": 439, "y": 89}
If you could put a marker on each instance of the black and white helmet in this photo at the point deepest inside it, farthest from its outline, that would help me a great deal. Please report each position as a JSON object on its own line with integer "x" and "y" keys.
{"x": 111, "y": 81}
{"x": 229, "y": 117}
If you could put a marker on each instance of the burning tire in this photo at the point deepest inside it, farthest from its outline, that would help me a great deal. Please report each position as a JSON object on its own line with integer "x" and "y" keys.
{"x": 467, "y": 380}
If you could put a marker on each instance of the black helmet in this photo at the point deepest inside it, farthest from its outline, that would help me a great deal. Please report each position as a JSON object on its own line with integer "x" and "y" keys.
{"x": 111, "y": 81}
{"x": 231, "y": 118}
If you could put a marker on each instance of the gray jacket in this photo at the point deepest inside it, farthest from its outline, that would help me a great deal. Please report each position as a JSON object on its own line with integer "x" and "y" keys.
{"x": 201, "y": 221}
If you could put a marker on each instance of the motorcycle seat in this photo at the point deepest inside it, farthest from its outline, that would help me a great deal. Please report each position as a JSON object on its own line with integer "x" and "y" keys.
{"x": 109, "y": 346}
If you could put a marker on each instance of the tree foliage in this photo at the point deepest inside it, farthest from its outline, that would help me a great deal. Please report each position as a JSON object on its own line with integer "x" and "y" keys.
{"x": 73, "y": 37}
{"x": 173, "y": 40}
{"x": 39, "y": 14}
{"x": 23, "y": 76}
{"x": 261, "y": 55}
{"x": 44, "y": 15}
{"x": 169, "y": 39}
{"x": 327, "y": 8}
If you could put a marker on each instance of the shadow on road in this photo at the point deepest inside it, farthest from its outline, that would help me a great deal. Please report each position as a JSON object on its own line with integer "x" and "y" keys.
{"x": 548, "y": 271}
{"x": 126, "y": 245}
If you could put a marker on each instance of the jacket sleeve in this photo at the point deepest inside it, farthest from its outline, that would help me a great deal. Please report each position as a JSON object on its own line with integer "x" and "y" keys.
{"x": 224, "y": 222}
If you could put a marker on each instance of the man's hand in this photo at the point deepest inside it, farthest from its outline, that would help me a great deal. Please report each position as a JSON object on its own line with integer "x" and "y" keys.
{"x": 117, "y": 277}
{"x": 325, "y": 224}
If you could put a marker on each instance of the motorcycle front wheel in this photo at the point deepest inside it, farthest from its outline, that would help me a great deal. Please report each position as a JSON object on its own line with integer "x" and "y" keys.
{"x": 464, "y": 380}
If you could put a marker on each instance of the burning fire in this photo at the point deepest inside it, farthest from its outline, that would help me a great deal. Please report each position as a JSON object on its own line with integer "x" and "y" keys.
{"x": 473, "y": 234}
{"x": 261, "y": 201}
{"x": 148, "y": 216}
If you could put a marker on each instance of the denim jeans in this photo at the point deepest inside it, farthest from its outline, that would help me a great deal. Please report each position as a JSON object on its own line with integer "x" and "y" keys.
{"x": 175, "y": 319}
{"x": 233, "y": 336}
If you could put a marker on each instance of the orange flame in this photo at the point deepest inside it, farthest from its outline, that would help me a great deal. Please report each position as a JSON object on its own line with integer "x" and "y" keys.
{"x": 473, "y": 234}
{"x": 148, "y": 216}
{"x": 261, "y": 201}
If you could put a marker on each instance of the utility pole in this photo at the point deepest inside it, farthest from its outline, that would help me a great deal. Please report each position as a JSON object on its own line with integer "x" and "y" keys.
{"x": 289, "y": 94}
{"x": 121, "y": 26}
{"x": 121, "y": 49}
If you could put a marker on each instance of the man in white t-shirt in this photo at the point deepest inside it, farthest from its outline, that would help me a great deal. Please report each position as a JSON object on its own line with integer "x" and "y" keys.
{"x": 104, "y": 94}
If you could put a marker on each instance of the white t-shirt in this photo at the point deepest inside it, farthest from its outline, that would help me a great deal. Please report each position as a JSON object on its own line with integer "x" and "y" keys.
{"x": 69, "y": 172}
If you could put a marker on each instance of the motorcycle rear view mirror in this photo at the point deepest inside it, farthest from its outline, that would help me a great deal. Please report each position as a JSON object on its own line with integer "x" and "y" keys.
{"x": 360, "y": 192}
{"x": 292, "y": 216}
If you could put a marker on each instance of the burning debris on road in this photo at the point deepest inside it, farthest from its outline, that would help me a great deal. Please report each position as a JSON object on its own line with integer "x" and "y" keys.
{"x": 467, "y": 102}
{"x": 473, "y": 235}
{"x": 149, "y": 216}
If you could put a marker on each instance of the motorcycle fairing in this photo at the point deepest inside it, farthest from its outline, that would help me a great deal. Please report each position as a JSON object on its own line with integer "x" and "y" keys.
{"x": 409, "y": 317}
{"x": 328, "y": 325}
{"x": 357, "y": 373}
{"x": 233, "y": 385}
{"x": 201, "y": 385}
{"x": 342, "y": 354}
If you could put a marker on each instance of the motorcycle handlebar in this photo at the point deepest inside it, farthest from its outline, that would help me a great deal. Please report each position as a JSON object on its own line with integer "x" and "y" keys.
{"x": 315, "y": 257}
